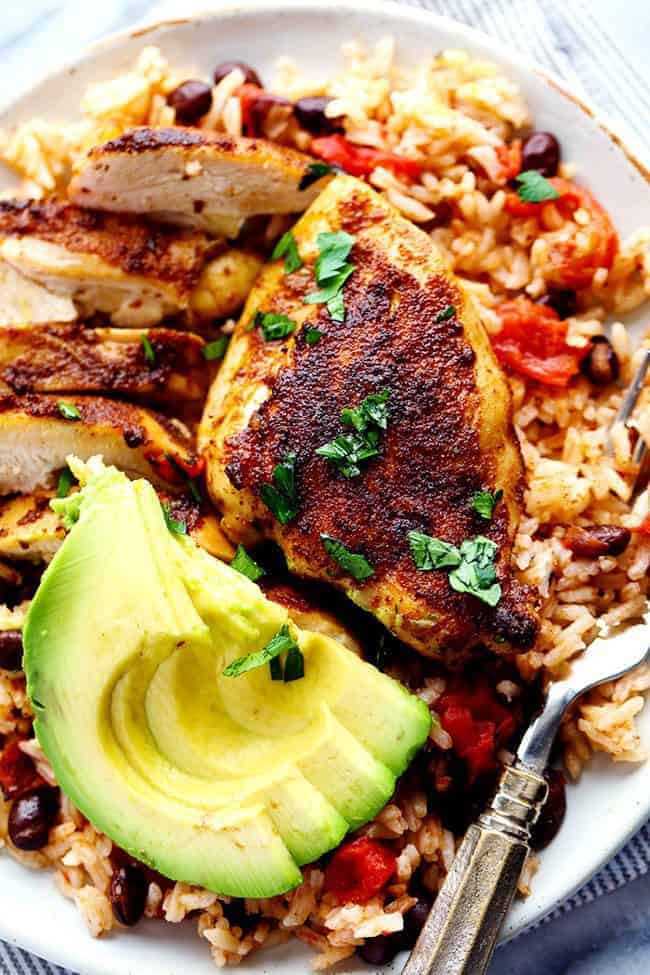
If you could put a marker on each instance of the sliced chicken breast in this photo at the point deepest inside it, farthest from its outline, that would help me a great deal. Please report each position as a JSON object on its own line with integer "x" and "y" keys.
{"x": 118, "y": 265}
{"x": 159, "y": 364}
{"x": 408, "y": 328}
{"x": 23, "y": 300}
{"x": 30, "y": 530}
{"x": 38, "y": 432}
{"x": 195, "y": 179}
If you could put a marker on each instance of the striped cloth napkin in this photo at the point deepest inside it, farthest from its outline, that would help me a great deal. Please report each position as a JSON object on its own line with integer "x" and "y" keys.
{"x": 570, "y": 38}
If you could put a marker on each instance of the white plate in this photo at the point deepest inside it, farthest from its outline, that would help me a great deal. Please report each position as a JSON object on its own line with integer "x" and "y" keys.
{"x": 611, "y": 802}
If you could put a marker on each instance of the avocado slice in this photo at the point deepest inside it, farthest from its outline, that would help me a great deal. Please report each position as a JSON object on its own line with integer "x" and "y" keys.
{"x": 231, "y": 783}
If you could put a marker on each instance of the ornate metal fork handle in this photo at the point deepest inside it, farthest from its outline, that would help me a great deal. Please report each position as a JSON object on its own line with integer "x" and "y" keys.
{"x": 460, "y": 934}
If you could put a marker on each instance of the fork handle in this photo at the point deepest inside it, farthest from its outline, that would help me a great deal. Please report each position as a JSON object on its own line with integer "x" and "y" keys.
{"x": 461, "y": 932}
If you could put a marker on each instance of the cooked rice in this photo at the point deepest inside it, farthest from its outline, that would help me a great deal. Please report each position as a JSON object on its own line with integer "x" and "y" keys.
{"x": 452, "y": 113}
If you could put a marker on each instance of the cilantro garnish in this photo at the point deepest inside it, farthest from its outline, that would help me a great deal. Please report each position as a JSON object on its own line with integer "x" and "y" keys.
{"x": 65, "y": 482}
{"x": 287, "y": 248}
{"x": 445, "y": 315}
{"x": 275, "y": 666}
{"x": 248, "y": 567}
{"x": 313, "y": 335}
{"x": 281, "y": 642}
{"x": 314, "y": 172}
{"x": 535, "y": 188}
{"x": 281, "y": 496}
{"x": 68, "y": 411}
{"x": 471, "y": 566}
{"x": 353, "y": 562}
{"x": 484, "y": 503}
{"x": 273, "y": 326}
{"x": 347, "y": 451}
{"x": 147, "y": 347}
{"x": 294, "y": 665}
{"x": 332, "y": 269}
{"x": 175, "y": 525}
{"x": 216, "y": 349}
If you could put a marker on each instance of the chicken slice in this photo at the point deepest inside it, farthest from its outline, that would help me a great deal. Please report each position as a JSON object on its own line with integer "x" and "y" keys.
{"x": 409, "y": 328}
{"x": 159, "y": 364}
{"x": 119, "y": 265}
{"x": 30, "y": 530}
{"x": 196, "y": 179}
{"x": 26, "y": 301}
{"x": 38, "y": 432}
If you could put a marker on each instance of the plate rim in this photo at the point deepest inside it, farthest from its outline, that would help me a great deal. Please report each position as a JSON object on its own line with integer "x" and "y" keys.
{"x": 638, "y": 157}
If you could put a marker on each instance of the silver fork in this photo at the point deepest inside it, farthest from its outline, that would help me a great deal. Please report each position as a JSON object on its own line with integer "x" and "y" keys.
{"x": 641, "y": 454}
{"x": 461, "y": 932}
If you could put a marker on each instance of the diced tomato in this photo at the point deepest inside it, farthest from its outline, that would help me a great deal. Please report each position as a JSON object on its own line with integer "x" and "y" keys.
{"x": 478, "y": 724}
{"x": 17, "y": 771}
{"x": 533, "y": 342}
{"x": 248, "y": 95}
{"x": 509, "y": 156}
{"x": 175, "y": 469}
{"x": 359, "y": 870}
{"x": 361, "y": 160}
{"x": 573, "y": 265}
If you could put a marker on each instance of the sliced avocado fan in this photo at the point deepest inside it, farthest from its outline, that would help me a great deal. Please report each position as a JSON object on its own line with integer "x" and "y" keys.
{"x": 230, "y": 783}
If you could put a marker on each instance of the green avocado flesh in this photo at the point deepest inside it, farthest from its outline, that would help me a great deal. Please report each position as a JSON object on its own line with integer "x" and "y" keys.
{"x": 229, "y": 783}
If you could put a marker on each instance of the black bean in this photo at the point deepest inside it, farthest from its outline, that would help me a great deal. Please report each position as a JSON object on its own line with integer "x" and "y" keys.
{"x": 11, "y": 649}
{"x": 251, "y": 76}
{"x": 238, "y": 917}
{"x": 590, "y": 543}
{"x": 190, "y": 101}
{"x": 128, "y": 894}
{"x": 381, "y": 950}
{"x": 541, "y": 151}
{"x": 548, "y": 824}
{"x": 310, "y": 112}
{"x": 31, "y": 816}
{"x": 601, "y": 364}
{"x": 564, "y": 301}
{"x": 260, "y": 108}
{"x": 414, "y": 920}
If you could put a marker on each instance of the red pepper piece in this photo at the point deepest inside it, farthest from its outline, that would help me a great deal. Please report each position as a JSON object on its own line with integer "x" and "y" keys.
{"x": 359, "y": 870}
{"x": 478, "y": 724}
{"x": 362, "y": 160}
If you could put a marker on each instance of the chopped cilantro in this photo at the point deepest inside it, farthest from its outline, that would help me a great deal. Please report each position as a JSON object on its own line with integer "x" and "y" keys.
{"x": 331, "y": 271}
{"x": 432, "y": 553}
{"x": 68, "y": 411}
{"x": 471, "y": 566}
{"x": 281, "y": 496}
{"x": 484, "y": 503}
{"x": 275, "y": 666}
{"x": 445, "y": 315}
{"x": 66, "y": 479}
{"x": 535, "y": 188}
{"x": 216, "y": 349}
{"x": 314, "y": 172}
{"x": 313, "y": 335}
{"x": 294, "y": 665}
{"x": 356, "y": 564}
{"x": 278, "y": 644}
{"x": 273, "y": 326}
{"x": 287, "y": 248}
{"x": 248, "y": 567}
{"x": 347, "y": 451}
{"x": 147, "y": 347}
{"x": 175, "y": 525}
{"x": 372, "y": 411}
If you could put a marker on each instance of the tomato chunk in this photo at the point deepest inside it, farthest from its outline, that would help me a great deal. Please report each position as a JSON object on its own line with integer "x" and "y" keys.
{"x": 359, "y": 870}
{"x": 176, "y": 469}
{"x": 533, "y": 343}
{"x": 644, "y": 527}
{"x": 361, "y": 160}
{"x": 478, "y": 724}
{"x": 17, "y": 771}
{"x": 509, "y": 156}
{"x": 595, "y": 245}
